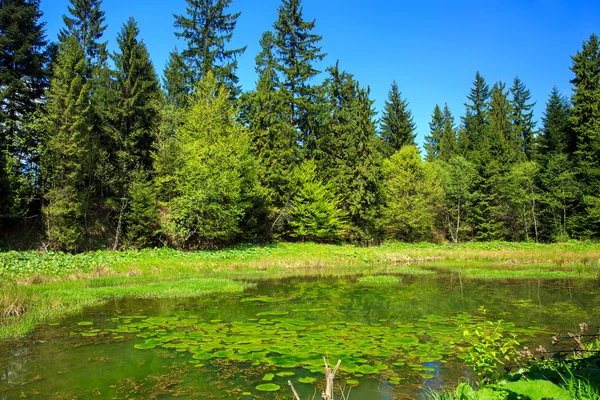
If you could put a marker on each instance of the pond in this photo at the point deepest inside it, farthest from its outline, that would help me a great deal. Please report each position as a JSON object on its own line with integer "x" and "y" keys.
{"x": 397, "y": 337}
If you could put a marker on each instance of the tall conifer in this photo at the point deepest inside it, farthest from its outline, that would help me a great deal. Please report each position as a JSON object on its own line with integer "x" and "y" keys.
{"x": 397, "y": 127}
{"x": 297, "y": 50}
{"x": 207, "y": 29}
{"x": 23, "y": 78}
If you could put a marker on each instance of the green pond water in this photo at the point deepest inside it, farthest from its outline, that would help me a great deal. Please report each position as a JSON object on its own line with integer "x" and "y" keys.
{"x": 398, "y": 338}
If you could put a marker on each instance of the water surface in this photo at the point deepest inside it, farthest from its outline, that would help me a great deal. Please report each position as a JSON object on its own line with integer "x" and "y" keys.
{"x": 395, "y": 341}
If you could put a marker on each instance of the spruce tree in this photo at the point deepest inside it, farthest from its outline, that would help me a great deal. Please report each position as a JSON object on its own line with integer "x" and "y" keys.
{"x": 267, "y": 115}
{"x": 174, "y": 81}
{"x": 23, "y": 79}
{"x": 436, "y": 129}
{"x": 447, "y": 145}
{"x": 585, "y": 123}
{"x": 475, "y": 119}
{"x": 347, "y": 155}
{"x": 522, "y": 117}
{"x": 397, "y": 127}
{"x": 554, "y": 135}
{"x": 66, "y": 161}
{"x": 86, "y": 25}
{"x": 207, "y": 29}
{"x": 297, "y": 50}
{"x": 134, "y": 119}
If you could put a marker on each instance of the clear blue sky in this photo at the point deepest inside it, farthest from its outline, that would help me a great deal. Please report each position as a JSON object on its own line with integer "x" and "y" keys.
{"x": 432, "y": 48}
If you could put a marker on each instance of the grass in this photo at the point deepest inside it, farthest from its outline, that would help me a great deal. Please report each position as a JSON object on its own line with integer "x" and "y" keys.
{"x": 38, "y": 287}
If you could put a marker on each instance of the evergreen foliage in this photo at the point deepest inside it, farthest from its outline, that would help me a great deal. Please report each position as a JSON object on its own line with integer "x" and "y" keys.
{"x": 397, "y": 128}
{"x": 215, "y": 173}
{"x": 584, "y": 121}
{"x": 475, "y": 119}
{"x": 132, "y": 120}
{"x": 24, "y": 58}
{"x": 458, "y": 178}
{"x": 86, "y": 25}
{"x": 297, "y": 50}
{"x": 207, "y": 30}
{"x": 315, "y": 214}
{"x": 112, "y": 161}
{"x": 347, "y": 155}
{"x": 67, "y": 160}
{"x": 174, "y": 81}
{"x": 522, "y": 117}
{"x": 413, "y": 196}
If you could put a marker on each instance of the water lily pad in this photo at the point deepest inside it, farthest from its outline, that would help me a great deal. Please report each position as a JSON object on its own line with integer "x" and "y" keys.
{"x": 268, "y": 387}
{"x": 308, "y": 379}
{"x": 268, "y": 377}
{"x": 285, "y": 373}
{"x": 85, "y": 323}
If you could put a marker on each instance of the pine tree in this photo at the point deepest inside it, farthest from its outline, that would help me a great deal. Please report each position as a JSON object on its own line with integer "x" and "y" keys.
{"x": 585, "y": 122}
{"x": 448, "y": 145}
{"x": 66, "y": 160}
{"x": 297, "y": 50}
{"x": 347, "y": 156}
{"x": 134, "y": 117}
{"x": 522, "y": 117}
{"x": 86, "y": 25}
{"x": 475, "y": 119}
{"x": 397, "y": 127}
{"x": 207, "y": 30}
{"x": 436, "y": 129}
{"x": 23, "y": 79}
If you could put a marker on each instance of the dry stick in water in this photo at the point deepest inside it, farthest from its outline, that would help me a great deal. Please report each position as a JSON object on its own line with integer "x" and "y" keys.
{"x": 296, "y": 397}
{"x": 329, "y": 377}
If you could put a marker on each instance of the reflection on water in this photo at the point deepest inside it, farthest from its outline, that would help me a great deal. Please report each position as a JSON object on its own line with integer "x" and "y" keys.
{"x": 222, "y": 346}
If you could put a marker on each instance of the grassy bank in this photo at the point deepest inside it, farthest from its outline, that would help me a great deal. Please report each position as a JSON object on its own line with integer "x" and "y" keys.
{"x": 37, "y": 288}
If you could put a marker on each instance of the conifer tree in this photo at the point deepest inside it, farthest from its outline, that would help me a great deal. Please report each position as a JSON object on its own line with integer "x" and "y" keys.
{"x": 66, "y": 161}
{"x": 554, "y": 135}
{"x": 23, "y": 79}
{"x": 432, "y": 141}
{"x": 273, "y": 138}
{"x": 207, "y": 29}
{"x": 86, "y": 25}
{"x": 397, "y": 127}
{"x": 585, "y": 123}
{"x": 174, "y": 81}
{"x": 347, "y": 156}
{"x": 448, "y": 145}
{"x": 134, "y": 118}
{"x": 475, "y": 119}
{"x": 217, "y": 187}
{"x": 522, "y": 117}
{"x": 297, "y": 50}
{"x": 413, "y": 196}
{"x": 315, "y": 214}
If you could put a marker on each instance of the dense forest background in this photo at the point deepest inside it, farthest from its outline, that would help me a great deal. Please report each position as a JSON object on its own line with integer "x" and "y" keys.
{"x": 96, "y": 152}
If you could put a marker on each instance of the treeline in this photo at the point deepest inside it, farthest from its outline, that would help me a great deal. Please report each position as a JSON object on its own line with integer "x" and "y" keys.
{"x": 106, "y": 156}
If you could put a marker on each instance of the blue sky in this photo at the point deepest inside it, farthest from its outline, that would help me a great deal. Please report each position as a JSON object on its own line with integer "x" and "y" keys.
{"x": 432, "y": 48}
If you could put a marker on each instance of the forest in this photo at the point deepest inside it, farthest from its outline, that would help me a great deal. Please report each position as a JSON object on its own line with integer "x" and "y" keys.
{"x": 99, "y": 152}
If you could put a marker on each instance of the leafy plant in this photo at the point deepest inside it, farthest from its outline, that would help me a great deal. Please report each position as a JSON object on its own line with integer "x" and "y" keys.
{"x": 489, "y": 347}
